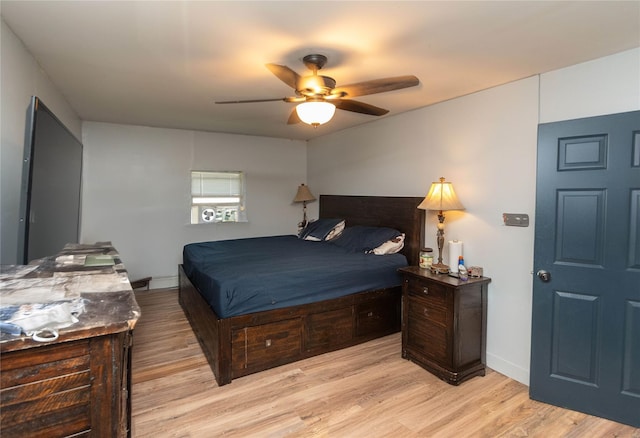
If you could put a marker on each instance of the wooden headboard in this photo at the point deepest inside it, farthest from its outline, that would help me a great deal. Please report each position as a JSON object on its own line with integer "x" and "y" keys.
{"x": 396, "y": 212}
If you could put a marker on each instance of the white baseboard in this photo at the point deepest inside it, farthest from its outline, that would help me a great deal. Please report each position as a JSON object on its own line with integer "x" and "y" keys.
{"x": 507, "y": 368}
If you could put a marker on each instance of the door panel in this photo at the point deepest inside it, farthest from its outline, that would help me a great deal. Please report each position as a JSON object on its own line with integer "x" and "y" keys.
{"x": 574, "y": 354}
{"x": 585, "y": 349}
{"x": 631, "y": 370}
{"x": 582, "y": 153}
{"x": 634, "y": 227}
{"x": 579, "y": 227}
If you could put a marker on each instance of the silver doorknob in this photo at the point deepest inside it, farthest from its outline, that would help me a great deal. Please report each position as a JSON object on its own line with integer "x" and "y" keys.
{"x": 543, "y": 275}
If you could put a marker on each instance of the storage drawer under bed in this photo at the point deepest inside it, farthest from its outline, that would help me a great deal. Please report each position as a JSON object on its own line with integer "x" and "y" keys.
{"x": 274, "y": 344}
{"x": 379, "y": 316}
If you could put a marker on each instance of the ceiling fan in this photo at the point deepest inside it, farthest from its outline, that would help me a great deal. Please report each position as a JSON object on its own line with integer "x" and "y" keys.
{"x": 318, "y": 97}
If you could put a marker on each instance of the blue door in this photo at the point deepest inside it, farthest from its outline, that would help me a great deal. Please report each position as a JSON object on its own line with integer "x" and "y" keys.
{"x": 585, "y": 348}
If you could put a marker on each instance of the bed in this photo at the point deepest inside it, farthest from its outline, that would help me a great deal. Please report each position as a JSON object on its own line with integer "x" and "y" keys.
{"x": 241, "y": 341}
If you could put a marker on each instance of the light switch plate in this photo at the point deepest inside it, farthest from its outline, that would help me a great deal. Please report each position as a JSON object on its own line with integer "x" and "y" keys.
{"x": 516, "y": 219}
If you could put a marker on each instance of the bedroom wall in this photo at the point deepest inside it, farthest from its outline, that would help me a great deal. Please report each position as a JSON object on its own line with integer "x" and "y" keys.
{"x": 607, "y": 85}
{"x": 485, "y": 143}
{"x": 20, "y": 78}
{"x": 137, "y": 189}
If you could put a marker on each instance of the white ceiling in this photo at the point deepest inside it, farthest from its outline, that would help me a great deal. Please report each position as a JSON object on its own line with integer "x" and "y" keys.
{"x": 164, "y": 63}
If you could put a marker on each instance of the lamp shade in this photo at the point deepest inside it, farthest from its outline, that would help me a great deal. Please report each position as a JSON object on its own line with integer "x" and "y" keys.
{"x": 315, "y": 113}
{"x": 441, "y": 197}
{"x": 304, "y": 194}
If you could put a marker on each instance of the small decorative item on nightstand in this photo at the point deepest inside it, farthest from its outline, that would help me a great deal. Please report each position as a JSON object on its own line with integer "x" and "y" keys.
{"x": 475, "y": 271}
{"x": 444, "y": 323}
{"x": 426, "y": 258}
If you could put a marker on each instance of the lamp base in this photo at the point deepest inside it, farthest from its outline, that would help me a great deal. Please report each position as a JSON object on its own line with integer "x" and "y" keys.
{"x": 440, "y": 268}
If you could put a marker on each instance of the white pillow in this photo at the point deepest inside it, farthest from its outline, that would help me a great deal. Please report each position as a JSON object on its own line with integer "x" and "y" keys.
{"x": 390, "y": 246}
{"x": 322, "y": 229}
{"x": 336, "y": 231}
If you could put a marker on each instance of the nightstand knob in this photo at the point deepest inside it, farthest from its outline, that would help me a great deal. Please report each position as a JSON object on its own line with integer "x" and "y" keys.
{"x": 425, "y": 311}
{"x": 425, "y": 290}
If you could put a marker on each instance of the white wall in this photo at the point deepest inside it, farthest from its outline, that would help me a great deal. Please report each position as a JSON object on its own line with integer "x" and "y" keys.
{"x": 485, "y": 143}
{"x": 607, "y": 85}
{"x": 21, "y": 77}
{"x": 137, "y": 189}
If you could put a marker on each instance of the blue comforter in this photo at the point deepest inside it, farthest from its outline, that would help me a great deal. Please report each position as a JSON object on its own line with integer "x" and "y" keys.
{"x": 249, "y": 275}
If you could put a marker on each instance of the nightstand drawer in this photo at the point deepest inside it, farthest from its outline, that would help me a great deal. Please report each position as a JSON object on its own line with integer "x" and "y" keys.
{"x": 425, "y": 337}
{"x": 425, "y": 289}
{"x": 427, "y": 309}
{"x": 428, "y": 302}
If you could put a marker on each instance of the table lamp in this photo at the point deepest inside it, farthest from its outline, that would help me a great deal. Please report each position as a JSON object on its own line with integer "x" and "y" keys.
{"x": 441, "y": 197}
{"x": 304, "y": 195}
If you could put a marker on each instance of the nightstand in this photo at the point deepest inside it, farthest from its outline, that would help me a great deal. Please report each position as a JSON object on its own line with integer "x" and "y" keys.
{"x": 444, "y": 323}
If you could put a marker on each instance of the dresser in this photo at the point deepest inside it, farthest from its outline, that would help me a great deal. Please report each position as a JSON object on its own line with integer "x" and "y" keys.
{"x": 78, "y": 384}
{"x": 444, "y": 323}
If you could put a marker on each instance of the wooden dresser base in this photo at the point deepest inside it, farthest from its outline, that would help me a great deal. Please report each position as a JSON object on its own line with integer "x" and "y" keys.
{"x": 69, "y": 388}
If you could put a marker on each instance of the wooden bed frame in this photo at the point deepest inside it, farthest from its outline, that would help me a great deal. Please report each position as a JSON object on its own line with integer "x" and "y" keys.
{"x": 246, "y": 344}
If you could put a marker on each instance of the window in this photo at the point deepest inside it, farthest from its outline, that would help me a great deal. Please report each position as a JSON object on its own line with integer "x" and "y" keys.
{"x": 217, "y": 197}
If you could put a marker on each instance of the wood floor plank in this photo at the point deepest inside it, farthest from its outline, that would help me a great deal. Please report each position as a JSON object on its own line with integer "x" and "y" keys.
{"x": 363, "y": 391}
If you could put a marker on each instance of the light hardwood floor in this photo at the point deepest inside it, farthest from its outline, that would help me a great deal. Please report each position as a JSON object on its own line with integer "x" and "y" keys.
{"x": 364, "y": 391}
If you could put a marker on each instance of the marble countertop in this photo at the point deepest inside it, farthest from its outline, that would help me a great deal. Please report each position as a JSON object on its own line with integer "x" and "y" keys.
{"x": 100, "y": 296}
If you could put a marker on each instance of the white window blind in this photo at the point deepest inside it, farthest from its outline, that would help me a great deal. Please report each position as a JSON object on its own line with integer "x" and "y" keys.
{"x": 214, "y": 184}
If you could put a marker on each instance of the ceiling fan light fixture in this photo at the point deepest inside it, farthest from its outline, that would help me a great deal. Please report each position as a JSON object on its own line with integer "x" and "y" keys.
{"x": 315, "y": 113}
{"x": 321, "y": 97}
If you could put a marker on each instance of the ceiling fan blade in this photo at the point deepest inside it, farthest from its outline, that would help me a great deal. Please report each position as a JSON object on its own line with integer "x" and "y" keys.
{"x": 285, "y": 74}
{"x": 282, "y": 99}
{"x": 377, "y": 86}
{"x": 293, "y": 99}
{"x": 293, "y": 118}
{"x": 359, "y": 107}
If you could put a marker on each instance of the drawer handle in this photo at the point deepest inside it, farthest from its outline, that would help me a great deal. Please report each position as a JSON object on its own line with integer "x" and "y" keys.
{"x": 425, "y": 290}
{"x": 267, "y": 343}
{"x": 369, "y": 315}
{"x": 425, "y": 311}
